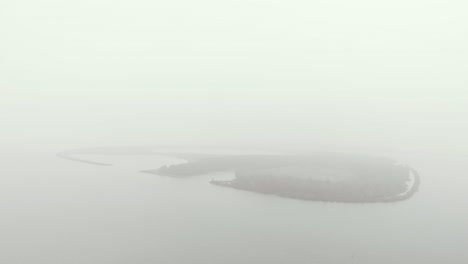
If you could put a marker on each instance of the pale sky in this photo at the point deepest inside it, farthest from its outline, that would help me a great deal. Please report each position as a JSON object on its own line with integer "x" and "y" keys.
{"x": 345, "y": 71}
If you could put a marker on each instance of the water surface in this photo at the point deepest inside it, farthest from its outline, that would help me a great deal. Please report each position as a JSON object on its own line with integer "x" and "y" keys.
{"x": 59, "y": 211}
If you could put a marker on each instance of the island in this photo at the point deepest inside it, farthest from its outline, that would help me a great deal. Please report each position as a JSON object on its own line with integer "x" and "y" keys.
{"x": 332, "y": 177}
{"x": 321, "y": 176}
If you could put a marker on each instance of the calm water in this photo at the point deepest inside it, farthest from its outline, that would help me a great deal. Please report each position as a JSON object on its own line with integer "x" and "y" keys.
{"x": 59, "y": 211}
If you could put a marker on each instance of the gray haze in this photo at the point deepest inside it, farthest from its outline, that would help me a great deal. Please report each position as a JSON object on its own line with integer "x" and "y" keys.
{"x": 386, "y": 78}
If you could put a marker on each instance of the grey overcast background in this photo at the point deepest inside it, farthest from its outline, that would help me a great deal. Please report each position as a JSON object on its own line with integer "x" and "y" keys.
{"x": 382, "y": 77}
{"x": 380, "y": 73}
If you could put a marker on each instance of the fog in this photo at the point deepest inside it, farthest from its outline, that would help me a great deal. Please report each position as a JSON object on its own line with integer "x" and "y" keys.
{"x": 383, "y": 74}
{"x": 374, "y": 77}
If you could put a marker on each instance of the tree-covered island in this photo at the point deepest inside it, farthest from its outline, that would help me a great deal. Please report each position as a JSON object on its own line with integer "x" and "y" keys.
{"x": 321, "y": 177}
